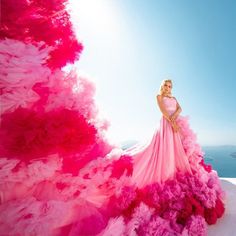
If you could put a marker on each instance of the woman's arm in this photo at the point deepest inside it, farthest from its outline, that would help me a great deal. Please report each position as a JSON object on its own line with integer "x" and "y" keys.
{"x": 176, "y": 113}
{"x": 162, "y": 108}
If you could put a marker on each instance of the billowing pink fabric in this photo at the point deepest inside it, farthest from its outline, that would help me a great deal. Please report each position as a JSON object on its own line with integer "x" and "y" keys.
{"x": 59, "y": 175}
{"x": 161, "y": 158}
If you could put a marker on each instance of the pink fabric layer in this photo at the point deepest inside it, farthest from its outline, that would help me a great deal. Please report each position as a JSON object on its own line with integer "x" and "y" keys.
{"x": 58, "y": 173}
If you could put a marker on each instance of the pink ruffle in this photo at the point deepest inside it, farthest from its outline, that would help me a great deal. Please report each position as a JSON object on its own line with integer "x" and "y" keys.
{"x": 58, "y": 173}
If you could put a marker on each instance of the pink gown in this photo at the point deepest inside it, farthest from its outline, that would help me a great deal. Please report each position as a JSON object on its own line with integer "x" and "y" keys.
{"x": 161, "y": 158}
{"x": 59, "y": 174}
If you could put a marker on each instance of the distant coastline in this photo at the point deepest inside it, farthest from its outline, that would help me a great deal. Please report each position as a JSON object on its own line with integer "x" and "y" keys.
{"x": 219, "y": 146}
{"x": 233, "y": 154}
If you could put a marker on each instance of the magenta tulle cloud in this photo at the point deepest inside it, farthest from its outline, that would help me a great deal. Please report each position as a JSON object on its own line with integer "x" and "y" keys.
{"x": 27, "y": 134}
{"x": 59, "y": 174}
{"x": 41, "y": 21}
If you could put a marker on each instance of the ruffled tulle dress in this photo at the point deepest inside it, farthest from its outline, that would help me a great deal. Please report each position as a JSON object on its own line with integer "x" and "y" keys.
{"x": 161, "y": 188}
{"x": 59, "y": 174}
{"x": 163, "y": 157}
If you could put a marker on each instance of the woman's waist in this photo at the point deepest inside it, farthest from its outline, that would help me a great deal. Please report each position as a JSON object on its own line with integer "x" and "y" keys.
{"x": 170, "y": 111}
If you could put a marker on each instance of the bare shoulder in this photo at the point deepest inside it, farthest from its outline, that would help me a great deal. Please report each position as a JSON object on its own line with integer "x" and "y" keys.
{"x": 159, "y": 97}
{"x": 176, "y": 101}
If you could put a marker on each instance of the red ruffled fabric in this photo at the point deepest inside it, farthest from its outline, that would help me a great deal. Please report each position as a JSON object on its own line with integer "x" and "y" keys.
{"x": 41, "y": 20}
{"x": 27, "y": 134}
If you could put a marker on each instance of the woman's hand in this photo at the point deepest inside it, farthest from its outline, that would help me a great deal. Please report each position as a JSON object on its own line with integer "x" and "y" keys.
{"x": 175, "y": 126}
{"x": 173, "y": 117}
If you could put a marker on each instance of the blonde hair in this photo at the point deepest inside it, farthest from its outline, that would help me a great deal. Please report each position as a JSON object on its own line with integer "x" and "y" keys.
{"x": 161, "y": 90}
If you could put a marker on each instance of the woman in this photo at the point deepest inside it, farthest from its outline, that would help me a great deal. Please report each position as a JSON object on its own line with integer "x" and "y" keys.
{"x": 164, "y": 156}
{"x": 165, "y": 92}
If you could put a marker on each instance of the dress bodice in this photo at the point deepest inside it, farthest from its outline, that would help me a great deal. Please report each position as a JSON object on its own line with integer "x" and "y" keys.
{"x": 170, "y": 104}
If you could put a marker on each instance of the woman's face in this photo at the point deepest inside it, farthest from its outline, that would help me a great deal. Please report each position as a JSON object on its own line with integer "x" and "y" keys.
{"x": 167, "y": 87}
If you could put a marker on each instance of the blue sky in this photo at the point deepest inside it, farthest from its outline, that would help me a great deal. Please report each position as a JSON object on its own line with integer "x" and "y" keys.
{"x": 130, "y": 46}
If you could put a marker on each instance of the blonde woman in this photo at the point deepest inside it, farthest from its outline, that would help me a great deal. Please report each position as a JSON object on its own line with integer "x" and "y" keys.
{"x": 165, "y": 91}
{"x": 164, "y": 156}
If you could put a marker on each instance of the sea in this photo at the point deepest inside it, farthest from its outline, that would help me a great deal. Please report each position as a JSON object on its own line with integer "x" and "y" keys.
{"x": 221, "y": 158}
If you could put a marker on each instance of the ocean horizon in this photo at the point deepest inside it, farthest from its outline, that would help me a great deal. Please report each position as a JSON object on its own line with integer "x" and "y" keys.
{"x": 222, "y": 158}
